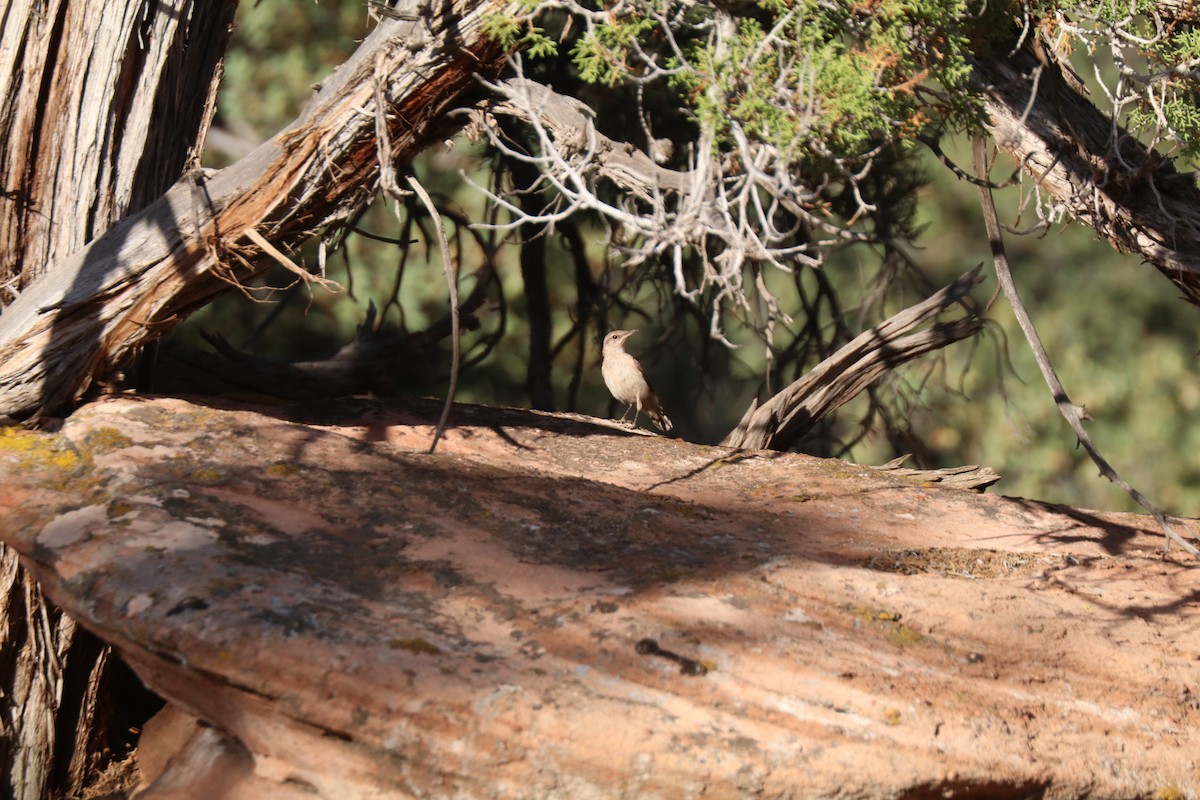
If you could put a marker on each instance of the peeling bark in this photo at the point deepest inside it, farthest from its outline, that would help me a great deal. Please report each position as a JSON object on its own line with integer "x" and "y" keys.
{"x": 102, "y": 106}
{"x": 99, "y": 114}
{"x": 1132, "y": 197}
{"x": 134, "y": 284}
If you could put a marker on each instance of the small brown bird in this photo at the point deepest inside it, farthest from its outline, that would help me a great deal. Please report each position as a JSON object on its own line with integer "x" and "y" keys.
{"x": 624, "y": 377}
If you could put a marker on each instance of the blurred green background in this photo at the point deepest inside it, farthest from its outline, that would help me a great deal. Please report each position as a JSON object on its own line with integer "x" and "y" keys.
{"x": 1121, "y": 338}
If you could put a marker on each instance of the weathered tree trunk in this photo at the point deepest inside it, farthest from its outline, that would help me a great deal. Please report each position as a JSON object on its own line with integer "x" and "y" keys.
{"x": 103, "y": 105}
{"x": 208, "y": 234}
{"x": 1088, "y": 166}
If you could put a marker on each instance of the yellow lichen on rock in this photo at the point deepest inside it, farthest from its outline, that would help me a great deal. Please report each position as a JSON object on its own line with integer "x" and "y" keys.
{"x": 41, "y": 451}
{"x": 104, "y": 440}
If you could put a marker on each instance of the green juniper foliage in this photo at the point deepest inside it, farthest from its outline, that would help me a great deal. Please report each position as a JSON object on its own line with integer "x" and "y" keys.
{"x": 826, "y": 99}
{"x": 810, "y": 78}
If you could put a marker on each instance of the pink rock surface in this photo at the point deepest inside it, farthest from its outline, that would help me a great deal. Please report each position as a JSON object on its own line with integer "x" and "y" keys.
{"x": 368, "y": 621}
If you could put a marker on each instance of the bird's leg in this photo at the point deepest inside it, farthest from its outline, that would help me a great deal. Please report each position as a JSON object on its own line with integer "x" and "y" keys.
{"x": 628, "y": 408}
{"x": 635, "y": 414}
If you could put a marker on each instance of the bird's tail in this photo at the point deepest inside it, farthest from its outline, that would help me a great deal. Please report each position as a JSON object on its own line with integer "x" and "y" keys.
{"x": 659, "y": 419}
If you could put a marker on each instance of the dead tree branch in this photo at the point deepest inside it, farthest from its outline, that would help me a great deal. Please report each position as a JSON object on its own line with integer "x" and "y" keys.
{"x": 972, "y": 477}
{"x": 1072, "y": 413}
{"x": 138, "y": 280}
{"x": 729, "y": 217}
{"x": 451, "y": 270}
{"x": 1085, "y": 167}
{"x": 781, "y": 421}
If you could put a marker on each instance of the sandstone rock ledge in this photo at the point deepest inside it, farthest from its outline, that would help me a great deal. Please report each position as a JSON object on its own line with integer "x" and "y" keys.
{"x": 552, "y": 607}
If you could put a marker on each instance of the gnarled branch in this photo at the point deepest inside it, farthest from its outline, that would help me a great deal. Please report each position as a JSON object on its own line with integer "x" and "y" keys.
{"x": 781, "y": 421}
{"x": 1089, "y": 168}
{"x": 137, "y": 281}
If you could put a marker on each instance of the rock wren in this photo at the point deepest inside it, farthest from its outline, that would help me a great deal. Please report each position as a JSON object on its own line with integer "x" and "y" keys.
{"x": 624, "y": 377}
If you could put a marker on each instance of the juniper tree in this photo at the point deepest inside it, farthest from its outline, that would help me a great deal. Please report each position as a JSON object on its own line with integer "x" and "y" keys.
{"x": 728, "y": 150}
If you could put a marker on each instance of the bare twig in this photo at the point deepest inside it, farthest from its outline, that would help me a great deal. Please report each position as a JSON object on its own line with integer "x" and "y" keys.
{"x": 936, "y": 148}
{"x": 387, "y": 181}
{"x": 291, "y": 266}
{"x": 1074, "y": 414}
{"x": 452, "y": 285}
{"x": 759, "y": 213}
